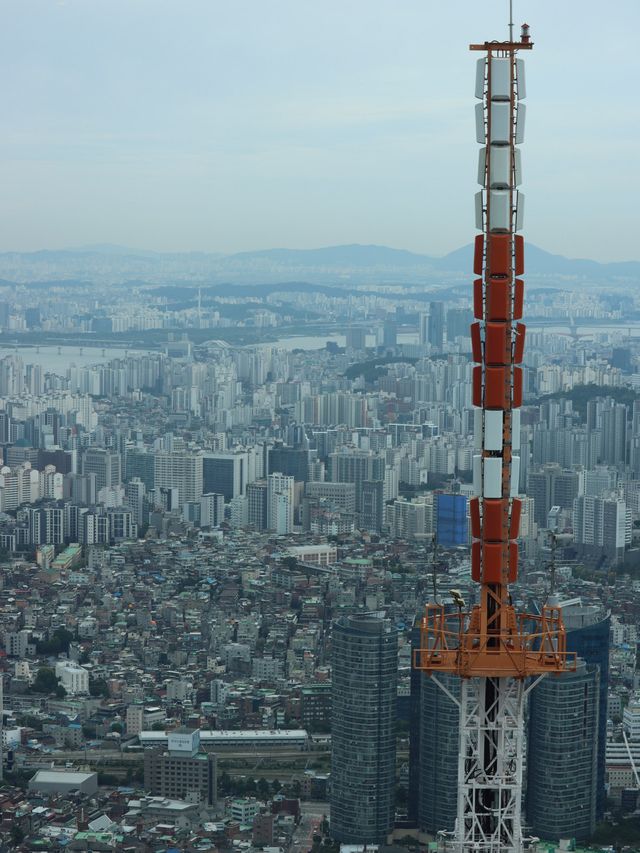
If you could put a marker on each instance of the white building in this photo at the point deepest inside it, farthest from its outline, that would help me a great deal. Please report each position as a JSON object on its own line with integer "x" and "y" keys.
{"x": 74, "y": 678}
{"x": 244, "y": 810}
{"x": 631, "y": 720}
{"x": 318, "y": 555}
{"x": 280, "y": 500}
{"x": 182, "y": 471}
{"x": 603, "y": 522}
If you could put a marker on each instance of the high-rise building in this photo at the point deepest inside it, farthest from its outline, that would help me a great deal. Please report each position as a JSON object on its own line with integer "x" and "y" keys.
{"x": 438, "y": 754}
{"x": 280, "y": 502}
{"x": 563, "y": 755}
{"x": 363, "y": 741}
{"x": 389, "y": 334}
{"x": 182, "y": 471}
{"x": 602, "y": 523}
{"x": 135, "y": 495}
{"x": 600, "y": 479}
{"x": 458, "y": 322}
{"x": 211, "y": 510}
{"x": 609, "y": 420}
{"x": 435, "y": 330}
{"x": 292, "y": 461}
{"x": 141, "y": 464}
{"x": 552, "y": 486}
{"x": 356, "y": 466}
{"x": 410, "y": 519}
{"x": 372, "y": 512}
{"x": 338, "y": 494}
{"x": 356, "y": 338}
{"x": 105, "y": 464}
{"x": 225, "y": 473}
{"x": 588, "y": 635}
{"x": 257, "y": 498}
{"x": 423, "y": 329}
{"x": 433, "y": 747}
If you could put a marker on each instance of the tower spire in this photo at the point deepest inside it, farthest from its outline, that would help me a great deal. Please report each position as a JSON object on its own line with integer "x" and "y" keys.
{"x": 498, "y": 653}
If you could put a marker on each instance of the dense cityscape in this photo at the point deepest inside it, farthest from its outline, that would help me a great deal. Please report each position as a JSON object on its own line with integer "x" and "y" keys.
{"x": 303, "y": 550}
{"x": 197, "y": 537}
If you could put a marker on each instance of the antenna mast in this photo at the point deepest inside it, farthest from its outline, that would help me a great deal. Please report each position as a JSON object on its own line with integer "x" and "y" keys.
{"x": 499, "y": 654}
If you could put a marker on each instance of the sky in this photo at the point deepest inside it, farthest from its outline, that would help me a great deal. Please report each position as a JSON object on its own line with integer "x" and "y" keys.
{"x": 233, "y": 125}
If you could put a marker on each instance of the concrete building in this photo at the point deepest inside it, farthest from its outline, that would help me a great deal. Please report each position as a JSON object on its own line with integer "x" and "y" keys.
{"x": 105, "y": 464}
{"x": 409, "y": 519}
{"x": 182, "y": 471}
{"x": 552, "y": 486}
{"x": 183, "y": 772}
{"x": 74, "y": 678}
{"x": 602, "y": 523}
{"x": 211, "y": 510}
{"x": 280, "y": 500}
{"x": 63, "y": 782}
{"x": 356, "y": 466}
{"x": 317, "y": 555}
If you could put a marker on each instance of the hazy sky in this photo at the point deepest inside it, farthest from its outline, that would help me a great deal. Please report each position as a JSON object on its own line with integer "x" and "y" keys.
{"x": 225, "y": 125}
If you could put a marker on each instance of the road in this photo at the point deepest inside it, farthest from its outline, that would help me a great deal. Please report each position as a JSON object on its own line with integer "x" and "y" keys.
{"x": 312, "y": 814}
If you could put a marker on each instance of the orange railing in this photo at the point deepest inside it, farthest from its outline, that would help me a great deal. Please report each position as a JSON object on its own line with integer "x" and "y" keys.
{"x": 529, "y": 644}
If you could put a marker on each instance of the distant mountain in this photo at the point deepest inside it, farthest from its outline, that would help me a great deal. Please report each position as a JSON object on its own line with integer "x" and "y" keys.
{"x": 330, "y": 265}
{"x": 539, "y": 262}
{"x": 351, "y": 255}
{"x": 354, "y": 256}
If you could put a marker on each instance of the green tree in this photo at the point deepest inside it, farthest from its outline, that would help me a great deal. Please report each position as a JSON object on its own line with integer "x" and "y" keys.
{"x": 17, "y": 835}
{"x": 224, "y": 784}
{"x": 56, "y": 644}
{"x": 30, "y": 721}
{"x": 98, "y": 687}
{"x": 45, "y": 680}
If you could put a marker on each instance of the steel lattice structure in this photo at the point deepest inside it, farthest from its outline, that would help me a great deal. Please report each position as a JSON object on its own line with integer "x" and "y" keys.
{"x": 499, "y": 654}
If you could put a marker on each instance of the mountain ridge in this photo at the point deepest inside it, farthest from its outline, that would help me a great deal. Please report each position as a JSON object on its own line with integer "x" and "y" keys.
{"x": 323, "y": 263}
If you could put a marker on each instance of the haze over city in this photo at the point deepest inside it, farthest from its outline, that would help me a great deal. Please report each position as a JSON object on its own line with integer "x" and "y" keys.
{"x": 234, "y": 126}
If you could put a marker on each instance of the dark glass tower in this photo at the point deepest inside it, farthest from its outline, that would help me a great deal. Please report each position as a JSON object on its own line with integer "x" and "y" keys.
{"x": 562, "y": 759}
{"x": 588, "y": 628}
{"x": 439, "y": 747}
{"x": 363, "y": 731}
{"x": 433, "y": 749}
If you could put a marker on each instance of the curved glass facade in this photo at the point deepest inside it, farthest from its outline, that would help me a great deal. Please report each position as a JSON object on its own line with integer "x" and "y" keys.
{"x": 438, "y": 759}
{"x": 563, "y": 738}
{"x": 363, "y": 731}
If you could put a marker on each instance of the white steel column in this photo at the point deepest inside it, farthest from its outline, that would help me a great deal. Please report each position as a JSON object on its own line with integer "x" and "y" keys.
{"x": 490, "y": 765}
